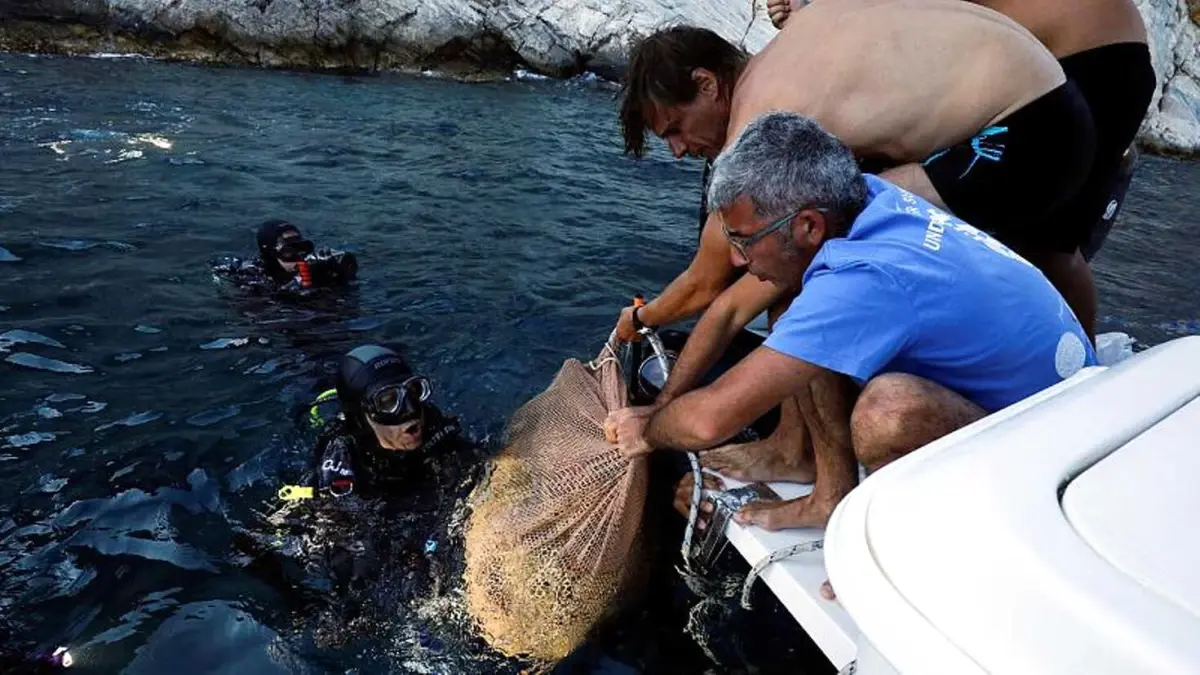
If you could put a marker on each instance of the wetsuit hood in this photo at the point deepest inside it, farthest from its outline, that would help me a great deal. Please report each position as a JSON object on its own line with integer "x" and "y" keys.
{"x": 268, "y": 237}
{"x": 362, "y": 370}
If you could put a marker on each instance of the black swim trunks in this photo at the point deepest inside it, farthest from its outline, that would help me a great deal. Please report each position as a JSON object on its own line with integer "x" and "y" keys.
{"x": 1009, "y": 177}
{"x": 1118, "y": 82}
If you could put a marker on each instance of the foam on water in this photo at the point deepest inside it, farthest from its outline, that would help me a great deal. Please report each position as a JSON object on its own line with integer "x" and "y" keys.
{"x": 118, "y": 55}
{"x": 522, "y": 74}
{"x": 8, "y": 256}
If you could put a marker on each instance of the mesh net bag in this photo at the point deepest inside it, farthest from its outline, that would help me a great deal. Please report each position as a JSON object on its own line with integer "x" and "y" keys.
{"x": 555, "y": 531}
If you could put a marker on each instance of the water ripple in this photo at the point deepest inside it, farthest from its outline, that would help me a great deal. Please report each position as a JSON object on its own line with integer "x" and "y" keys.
{"x": 42, "y": 363}
{"x": 225, "y": 343}
{"x": 18, "y": 336}
{"x": 211, "y": 417}
{"x": 134, "y": 420}
{"x": 26, "y": 440}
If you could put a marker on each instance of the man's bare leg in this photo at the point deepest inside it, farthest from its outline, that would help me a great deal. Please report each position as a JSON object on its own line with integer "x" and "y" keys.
{"x": 825, "y": 409}
{"x": 912, "y": 177}
{"x": 1072, "y": 276}
{"x": 898, "y": 413}
{"x": 785, "y": 456}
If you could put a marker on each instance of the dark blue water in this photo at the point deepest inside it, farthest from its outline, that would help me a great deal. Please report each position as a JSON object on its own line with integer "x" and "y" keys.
{"x": 145, "y": 411}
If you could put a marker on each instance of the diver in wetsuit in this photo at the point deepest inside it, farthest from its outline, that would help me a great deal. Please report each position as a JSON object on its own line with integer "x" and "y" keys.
{"x": 372, "y": 520}
{"x": 288, "y": 261}
{"x": 388, "y": 436}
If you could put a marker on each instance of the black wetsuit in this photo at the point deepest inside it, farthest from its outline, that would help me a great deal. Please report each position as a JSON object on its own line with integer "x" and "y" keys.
{"x": 322, "y": 269}
{"x": 391, "y": 540}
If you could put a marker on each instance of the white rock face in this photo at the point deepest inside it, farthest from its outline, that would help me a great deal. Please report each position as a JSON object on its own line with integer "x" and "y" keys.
{"x": 1173, "y": 124}
{"x": 550, "y": 36}
{"x": 556, "y": 37}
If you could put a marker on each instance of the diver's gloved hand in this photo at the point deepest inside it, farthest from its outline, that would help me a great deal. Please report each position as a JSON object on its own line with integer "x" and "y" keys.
{"x": 327, "y": 267}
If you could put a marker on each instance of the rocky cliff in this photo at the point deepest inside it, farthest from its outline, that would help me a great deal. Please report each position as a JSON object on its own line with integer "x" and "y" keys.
{"x": 554, "y": 37}
{"x": 1173, "y": 125}
{"x": 473, "y": 37}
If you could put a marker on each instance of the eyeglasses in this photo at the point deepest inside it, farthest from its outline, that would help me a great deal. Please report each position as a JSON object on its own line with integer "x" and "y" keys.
{"x": 742, "y": 243}
{"x": 396, "y": 403}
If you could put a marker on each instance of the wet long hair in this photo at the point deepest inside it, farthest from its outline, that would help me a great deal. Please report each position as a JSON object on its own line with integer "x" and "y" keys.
{"x": 660, "y": 73}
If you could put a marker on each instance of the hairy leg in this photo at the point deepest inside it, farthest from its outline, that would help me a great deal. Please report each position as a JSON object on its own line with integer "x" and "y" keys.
{"x": 899, "y": 413}
{"x": 825, "y": 408}
{"x": 785, "y": 456}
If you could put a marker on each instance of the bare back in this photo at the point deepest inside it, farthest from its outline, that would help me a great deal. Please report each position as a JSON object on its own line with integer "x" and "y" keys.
{"x": 1068, "y": 28}
{"x": 896, "y": 78}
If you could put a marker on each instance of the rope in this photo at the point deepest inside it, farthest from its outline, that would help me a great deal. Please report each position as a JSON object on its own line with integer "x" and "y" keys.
{"x": 774, "y": 557}
{"x": 693, "y": 511}
{"x": 697, "y": 476}
{"x": 753, "y": 16}
{"x": 609, "y": 349}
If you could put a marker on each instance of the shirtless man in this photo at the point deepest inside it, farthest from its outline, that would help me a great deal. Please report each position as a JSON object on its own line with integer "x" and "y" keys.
{"x": 935, "y": 320}
{"x": 960, "y": 101}
{"x": 1101, "y": 46}
{"x": 1009, "y": 136}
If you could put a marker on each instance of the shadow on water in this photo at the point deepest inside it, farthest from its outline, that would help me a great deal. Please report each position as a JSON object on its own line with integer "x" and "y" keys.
{"x": 148, "y": 416}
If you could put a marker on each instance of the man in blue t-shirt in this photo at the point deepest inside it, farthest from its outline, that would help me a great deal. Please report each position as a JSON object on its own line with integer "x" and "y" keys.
{"x": 934, "y": 322}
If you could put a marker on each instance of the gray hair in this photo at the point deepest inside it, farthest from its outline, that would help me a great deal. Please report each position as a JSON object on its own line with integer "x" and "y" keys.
{"x": 783, "y": 161}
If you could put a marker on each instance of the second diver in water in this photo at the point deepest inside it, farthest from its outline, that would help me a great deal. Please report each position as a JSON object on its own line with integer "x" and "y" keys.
{"x": 289, "y": 262}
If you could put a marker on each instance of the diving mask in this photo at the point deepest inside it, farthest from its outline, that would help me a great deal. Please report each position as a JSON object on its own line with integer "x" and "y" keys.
{"x": 393, "y": 404}
{"x": 293, "y": 250}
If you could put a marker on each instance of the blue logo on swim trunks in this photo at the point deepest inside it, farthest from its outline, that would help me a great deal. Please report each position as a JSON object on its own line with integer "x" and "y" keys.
{"x": 991, "y": 150}
{"x": 984, "y": 144}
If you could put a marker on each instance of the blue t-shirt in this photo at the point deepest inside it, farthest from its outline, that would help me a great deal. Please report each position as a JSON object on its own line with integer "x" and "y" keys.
{"x": 911, "y": 289}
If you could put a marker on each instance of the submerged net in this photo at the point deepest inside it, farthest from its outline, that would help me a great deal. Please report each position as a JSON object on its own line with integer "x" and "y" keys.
{"x": 555, "y": 532}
